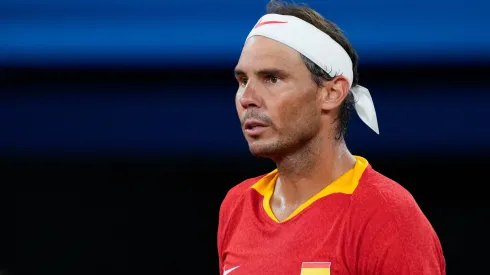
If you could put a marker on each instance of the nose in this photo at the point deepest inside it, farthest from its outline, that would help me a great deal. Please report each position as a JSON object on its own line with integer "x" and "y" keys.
{"x": 248, "y": 96}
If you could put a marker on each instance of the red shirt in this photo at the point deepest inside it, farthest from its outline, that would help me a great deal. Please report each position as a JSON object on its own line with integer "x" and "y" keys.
{"x": 363, "y": 223}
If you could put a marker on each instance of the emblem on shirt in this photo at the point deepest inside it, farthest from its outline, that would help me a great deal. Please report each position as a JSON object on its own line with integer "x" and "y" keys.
{"x": 315, "y": 268}
{"x": 226, "y": 270}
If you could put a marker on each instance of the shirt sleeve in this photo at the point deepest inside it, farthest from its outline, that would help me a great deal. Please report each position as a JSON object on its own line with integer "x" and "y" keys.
{"x": 398, "y": 239}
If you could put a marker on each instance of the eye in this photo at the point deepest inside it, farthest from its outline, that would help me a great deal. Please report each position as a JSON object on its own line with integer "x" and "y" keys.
{"x": 243, "y": 81}
{"x": 272, "y": 79}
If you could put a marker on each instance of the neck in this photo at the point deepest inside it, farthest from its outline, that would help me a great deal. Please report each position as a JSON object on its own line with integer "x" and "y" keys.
{"x": 309, "y": 169}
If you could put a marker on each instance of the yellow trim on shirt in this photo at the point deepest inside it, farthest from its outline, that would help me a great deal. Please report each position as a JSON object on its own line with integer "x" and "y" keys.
{"x": 345, "y": 184}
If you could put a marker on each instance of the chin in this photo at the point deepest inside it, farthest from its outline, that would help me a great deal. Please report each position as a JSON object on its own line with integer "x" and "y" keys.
{"x": 263, "y": 149}
{"x": 258, "y": 153}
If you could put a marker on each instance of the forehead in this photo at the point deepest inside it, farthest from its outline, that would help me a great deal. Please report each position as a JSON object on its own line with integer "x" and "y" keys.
{"x": 260, "y": 52}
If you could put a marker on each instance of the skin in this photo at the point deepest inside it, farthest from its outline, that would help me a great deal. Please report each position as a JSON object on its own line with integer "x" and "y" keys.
{"x": 276, "y": 88}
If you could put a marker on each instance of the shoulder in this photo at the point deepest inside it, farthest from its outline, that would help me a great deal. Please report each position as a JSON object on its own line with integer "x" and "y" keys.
{"x": 390, "y": 223}
{"x": 382, "y": 206}
{"x": 232, "y": 201}
{"x": 378, "y": 192}
{"x": 234, "y": 195}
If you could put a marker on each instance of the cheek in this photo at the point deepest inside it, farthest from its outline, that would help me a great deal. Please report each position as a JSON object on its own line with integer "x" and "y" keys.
{"x": 288, "y": 114}
{"x": 297, "y": 113}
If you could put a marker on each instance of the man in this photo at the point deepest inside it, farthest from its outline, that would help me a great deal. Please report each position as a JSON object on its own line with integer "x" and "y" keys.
{"x": 323, "y": 210}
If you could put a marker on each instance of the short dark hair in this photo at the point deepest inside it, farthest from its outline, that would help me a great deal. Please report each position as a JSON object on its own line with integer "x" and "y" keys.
{"x": 309, "y": 15}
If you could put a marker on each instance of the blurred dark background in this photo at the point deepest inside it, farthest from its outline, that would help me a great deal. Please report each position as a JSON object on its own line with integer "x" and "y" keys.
{"x": 119, "y": 137}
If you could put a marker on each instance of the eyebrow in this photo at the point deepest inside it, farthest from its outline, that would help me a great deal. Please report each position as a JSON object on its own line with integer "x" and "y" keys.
{"x": 270, "y": 71}
{"x": 239, "y": 72}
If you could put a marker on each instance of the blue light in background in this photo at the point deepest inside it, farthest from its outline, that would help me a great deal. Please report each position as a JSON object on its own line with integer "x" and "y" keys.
{"x": 212, "y": 32}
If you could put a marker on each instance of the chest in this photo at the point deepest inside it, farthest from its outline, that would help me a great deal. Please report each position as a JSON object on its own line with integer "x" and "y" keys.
{"x": 313, "y": 243}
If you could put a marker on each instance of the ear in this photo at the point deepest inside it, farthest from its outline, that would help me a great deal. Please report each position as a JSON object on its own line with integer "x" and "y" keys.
{"x": 334, "y": 92}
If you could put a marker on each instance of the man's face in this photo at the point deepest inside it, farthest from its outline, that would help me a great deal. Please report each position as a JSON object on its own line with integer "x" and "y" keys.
{"x": 277, "y": 101}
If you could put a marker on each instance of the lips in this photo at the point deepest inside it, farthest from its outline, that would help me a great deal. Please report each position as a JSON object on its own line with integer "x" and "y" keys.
{"x": 252, "y": 123}
{"x": 254, "y": 127}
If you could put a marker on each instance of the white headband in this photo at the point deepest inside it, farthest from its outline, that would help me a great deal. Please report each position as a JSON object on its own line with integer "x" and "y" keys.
{"x": 322, "y": 50}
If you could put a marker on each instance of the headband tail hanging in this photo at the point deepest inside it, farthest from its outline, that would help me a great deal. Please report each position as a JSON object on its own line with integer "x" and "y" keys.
{"x": 365, "y": 107}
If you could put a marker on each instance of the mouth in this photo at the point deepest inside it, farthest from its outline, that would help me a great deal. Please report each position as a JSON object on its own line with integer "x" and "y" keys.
{"x": 254, "y": 127}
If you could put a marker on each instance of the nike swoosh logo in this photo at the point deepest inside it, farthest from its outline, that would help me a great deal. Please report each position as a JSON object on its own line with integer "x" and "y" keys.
{"x": 268, "y": 22}
{"x": 225, "y": 272}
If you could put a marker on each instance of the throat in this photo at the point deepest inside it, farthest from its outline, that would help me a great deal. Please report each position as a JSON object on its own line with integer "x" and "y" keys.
{"x": 287, "y": 199}
{"x": 282, "y": 209}
{"x": 303, "y": 176}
